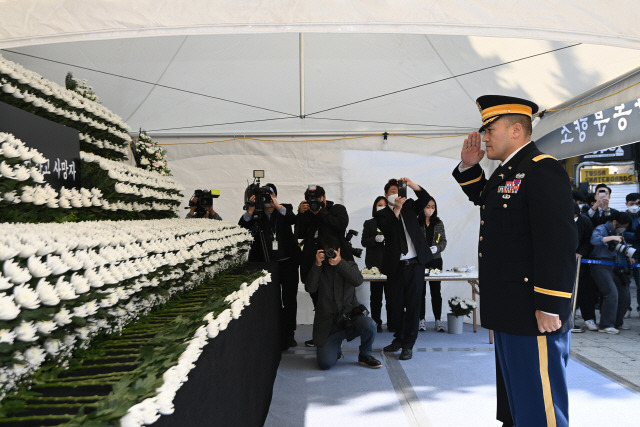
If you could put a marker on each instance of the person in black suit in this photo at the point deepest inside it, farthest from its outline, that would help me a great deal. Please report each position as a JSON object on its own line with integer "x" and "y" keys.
{"x": 600, "y": 212}
{"x": 527, "y": 261}
{"x": 273, "y": 233}
{"x": 373, "y": 241}
{"x": 406, "y": 253}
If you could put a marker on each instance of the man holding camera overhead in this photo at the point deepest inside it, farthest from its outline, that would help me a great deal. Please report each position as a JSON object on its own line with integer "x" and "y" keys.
{"x": 274, "y": 242}
{"x": 406, "y": 253}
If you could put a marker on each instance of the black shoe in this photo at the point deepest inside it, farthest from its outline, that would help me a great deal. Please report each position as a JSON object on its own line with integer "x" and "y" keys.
{"x": 340, "y": 356}
{"x": 379, "y": 328}
{"x": 369, "y": 361}
{"x": 406, "y": 354}
{"x": 394, "y": 346}
{"x": 309, "y": 343}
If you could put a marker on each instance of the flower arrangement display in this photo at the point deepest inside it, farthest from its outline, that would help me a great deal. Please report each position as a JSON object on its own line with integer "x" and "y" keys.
{"x": 461, "y": 306}
{"x": 131, "y": 379}
{"x": 80, "y": 87}
{"x": 61, "y": 284}
{"x": 373, "y": 271}
{"x": 120, "y": 190}
{"x": 149, "y": 155}
{"x": 31, "y": 92}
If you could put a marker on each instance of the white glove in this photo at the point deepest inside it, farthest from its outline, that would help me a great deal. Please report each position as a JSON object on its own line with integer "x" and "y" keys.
{"x": 380, "y": 238}
{"x": 434, "y": 249}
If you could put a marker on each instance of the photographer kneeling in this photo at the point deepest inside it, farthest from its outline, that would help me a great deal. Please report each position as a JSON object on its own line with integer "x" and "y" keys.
{"x": 611, "y": 279}
{"x": 338, "y": 314}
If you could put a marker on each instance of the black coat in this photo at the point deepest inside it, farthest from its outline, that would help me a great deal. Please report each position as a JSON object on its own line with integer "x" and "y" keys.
{"x": 527, "y": 241}
{"x": 374, "y": 250}
{"x": 391, "y": 227}
{"x": 331, "y": 220}
{"x": 278, "y": 225}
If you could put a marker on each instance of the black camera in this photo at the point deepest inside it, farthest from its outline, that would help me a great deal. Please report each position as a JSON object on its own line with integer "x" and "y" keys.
{"x": 312, "y": 199}
{"x": 330, "y": 253}
{"x": 621, "y": 248}
{"x": 202, "y": 199}
{"x": 262, "y": 194}
{"x": 357, "y": 252}
{"x": 402, "y": 189}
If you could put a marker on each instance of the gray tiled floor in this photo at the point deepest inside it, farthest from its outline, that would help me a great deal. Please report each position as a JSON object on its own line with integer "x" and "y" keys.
{"x": 617, "y": 356}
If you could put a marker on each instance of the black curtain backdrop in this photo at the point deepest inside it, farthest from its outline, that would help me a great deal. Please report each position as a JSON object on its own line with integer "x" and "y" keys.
{"x": 232, "y": 382}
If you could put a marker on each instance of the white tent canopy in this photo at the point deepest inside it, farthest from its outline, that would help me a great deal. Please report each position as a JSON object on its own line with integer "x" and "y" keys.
{"x": 229, "y": 74}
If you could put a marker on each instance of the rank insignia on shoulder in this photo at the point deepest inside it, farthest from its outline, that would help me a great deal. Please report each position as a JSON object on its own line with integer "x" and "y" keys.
{"x": 506, "y": 196}
{"x": 520, "y": 176}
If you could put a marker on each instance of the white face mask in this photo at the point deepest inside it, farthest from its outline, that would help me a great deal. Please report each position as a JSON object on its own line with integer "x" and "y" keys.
{"x": 429, "y": 212}
{"x": 575, "y": 219}
{"x": 392, "y": 199}
{"x": 582, "y": 205}
{"x": 633, "y": 209}
{"x": 379, "y": 208}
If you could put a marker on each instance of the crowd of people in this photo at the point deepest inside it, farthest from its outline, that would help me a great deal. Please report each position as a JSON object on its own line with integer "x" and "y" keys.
{"x": 607, "y": 241}
{"x": 402, "y": 238}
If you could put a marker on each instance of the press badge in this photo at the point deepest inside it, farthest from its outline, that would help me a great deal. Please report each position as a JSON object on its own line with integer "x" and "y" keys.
{"x": 274, "y": 245}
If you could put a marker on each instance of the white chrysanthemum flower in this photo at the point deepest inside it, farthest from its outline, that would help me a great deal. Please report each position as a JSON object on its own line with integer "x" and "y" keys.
{"x": 52, "y": 346}
{"x": 26, "y": 297}
{"x": 34, "y": 356}
{"x": 62, "y": 317}
{"x": 83, "y": 333}
{"x": 8, "y": 308}
{"x": 15, "y": 273}
{"x": 80, "y": 283}
{"x": 5, "y": 283}
{"x": 47, "y": 293}
{"x": 66, "y": 291}
{"x": 45, "y": 327}
{"x": 26, "y": 332}
{"x": 37, "y": 268}
{"x": 21, "y": 173}
{"x": 7, "y": 336}
{"x": 8, "y": 252}
{"x": 56, "y": 265}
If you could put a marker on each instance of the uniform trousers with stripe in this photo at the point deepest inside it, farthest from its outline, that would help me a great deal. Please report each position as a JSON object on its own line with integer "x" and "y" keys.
{"x": 535, "y": 378}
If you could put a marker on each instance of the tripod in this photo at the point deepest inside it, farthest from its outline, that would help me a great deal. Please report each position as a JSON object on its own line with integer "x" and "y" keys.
{"x": 258, "y": 232}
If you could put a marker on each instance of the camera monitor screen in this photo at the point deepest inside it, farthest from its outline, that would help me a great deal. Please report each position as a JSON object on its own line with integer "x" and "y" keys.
{"x": 258, "y": 173}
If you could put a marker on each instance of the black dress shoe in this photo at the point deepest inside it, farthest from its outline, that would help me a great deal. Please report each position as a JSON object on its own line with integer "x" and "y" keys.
{"x": 394, "y": 346}
{"x": 309, "y": 343}
{"x": 406, "y": 354}
{"x": 379, "y": 328}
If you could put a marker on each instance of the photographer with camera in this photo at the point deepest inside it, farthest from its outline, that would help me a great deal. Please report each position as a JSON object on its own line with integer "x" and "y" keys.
{"x": 319, "y": 218}
{"x": 609, "y": 249}
{"x": 600, "y": 212}
{"x": 406, "y": 254}
{"x": 274, "y": 242}
{"x": 338, "y": 315}
{"x": 201, "y": 204}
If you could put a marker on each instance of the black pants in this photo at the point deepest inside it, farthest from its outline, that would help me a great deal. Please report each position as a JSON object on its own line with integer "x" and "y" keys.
{"x": 289, "y": 279}
{"x": 434, "y": 290}
{"x": 586, "y": 294}
{"x": 377, "y": 289}
{"x": 405, "y": 286}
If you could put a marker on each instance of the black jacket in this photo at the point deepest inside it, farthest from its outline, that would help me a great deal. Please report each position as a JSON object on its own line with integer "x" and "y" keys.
{"x": 310, "y": 227}
{"x": 336, "y": 288}
{"x": 392, "y": 227}
{"x": 374, "y": 250}
{"x": 527, "y": 241}
{"x": 278, "y": 225}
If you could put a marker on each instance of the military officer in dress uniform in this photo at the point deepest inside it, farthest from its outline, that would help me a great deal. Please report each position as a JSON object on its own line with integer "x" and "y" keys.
{"x": 526, "y": 255}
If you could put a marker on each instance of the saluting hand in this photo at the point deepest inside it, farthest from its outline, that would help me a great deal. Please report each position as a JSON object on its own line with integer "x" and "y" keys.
{"x": 472, "y": 151}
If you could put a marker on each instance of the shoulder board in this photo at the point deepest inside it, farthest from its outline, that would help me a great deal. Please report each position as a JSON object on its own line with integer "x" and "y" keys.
{"x": 543, "y": 156}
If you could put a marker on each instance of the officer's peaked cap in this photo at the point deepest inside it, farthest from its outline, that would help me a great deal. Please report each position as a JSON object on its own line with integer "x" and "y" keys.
{"x": 492, "y": 107}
